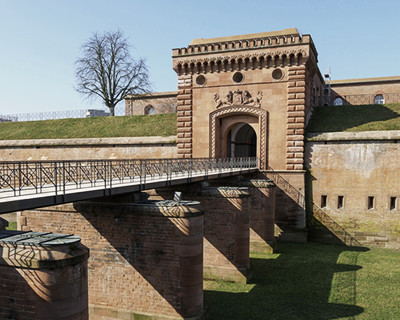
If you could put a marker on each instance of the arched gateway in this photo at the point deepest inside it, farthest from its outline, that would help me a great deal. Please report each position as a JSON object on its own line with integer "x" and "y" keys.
{"x": 262, "y": 81}
{"x": 234, "y": 127}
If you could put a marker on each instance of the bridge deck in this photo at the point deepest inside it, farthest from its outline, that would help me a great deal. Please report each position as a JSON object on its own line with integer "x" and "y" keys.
{"x": 31, "y": 185}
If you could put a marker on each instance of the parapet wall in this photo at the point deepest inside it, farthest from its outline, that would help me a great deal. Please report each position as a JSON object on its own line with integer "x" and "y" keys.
{"x": 89, "y": 148}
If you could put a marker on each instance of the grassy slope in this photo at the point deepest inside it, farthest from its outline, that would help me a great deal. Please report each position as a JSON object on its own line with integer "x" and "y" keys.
{"x": 313, "y": 281}
{"x": 99, "y": 127}
{"x": 355, "y": 118}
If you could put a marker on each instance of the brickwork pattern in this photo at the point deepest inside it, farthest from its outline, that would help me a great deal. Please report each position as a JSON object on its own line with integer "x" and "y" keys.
{"x": 184, "y": 116}
{"x": 143, "y": 264}
{"x": 226, "y": 229}
{"x": 42, "y": 294}
{"x": 262, "y": 218}
{"x": 296, "y": 117}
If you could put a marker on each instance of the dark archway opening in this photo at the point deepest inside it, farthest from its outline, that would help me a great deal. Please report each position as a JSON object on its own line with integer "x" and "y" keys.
{"x": 241, "y": 141}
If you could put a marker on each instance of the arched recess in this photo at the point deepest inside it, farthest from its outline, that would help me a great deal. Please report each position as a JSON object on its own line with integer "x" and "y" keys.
{"x": 222, "y": 121}
{"x": 241, "y": 141}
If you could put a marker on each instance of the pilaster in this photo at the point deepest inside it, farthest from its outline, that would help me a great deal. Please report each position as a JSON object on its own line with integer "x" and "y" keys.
{"x": 296, "y": 117}
{"x": 184, "y": 116}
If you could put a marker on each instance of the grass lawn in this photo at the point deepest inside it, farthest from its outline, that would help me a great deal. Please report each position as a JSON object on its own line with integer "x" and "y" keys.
{"x": 355, "y": 118}
{"x": 98, "y": 127}
{"x": 12, "y": 225}
{"x": 313, "y": 281}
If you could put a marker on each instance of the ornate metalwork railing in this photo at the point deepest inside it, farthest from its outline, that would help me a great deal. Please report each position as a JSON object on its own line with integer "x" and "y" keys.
{"x": 34, "y": 177}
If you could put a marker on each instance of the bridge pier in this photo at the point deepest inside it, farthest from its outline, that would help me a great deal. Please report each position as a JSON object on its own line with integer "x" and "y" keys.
{"x": 262, "y": 215}
{"x": 226, "y": 233}
{"x": 42, "y": 276}
{"x": 226, "y": 229}
{"x": 146, "y": 258}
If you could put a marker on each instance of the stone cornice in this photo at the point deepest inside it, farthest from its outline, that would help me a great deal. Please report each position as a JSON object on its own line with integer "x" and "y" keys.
{"x": 243, "y": 60}
{"x": 88, "y": 142}
{"x": 354, "y": 136}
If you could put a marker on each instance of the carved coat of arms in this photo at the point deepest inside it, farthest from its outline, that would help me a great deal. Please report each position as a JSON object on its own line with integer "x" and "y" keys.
{"x": 238, "y": 98}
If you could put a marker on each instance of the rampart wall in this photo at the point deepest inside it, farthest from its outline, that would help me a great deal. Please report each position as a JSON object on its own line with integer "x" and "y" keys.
{"x": 152, "y": 103}
{"x": 354, "y": 178}
{"x": 90, "y": 148}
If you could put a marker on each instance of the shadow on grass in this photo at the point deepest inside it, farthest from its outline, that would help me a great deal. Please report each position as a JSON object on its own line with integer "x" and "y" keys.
{"x": 296, "y": 283}
{"x": 341, "y": 118}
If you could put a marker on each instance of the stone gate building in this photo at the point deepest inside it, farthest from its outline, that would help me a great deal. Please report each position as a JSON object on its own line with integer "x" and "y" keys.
{"x": 252, "y": 95}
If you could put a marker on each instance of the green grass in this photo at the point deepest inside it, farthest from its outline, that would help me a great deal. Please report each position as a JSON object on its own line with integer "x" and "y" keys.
{"x": 355, "y": 118}
{"x": 313, "y": 281}
{"x": 12, "y": 225}
{"x": 99, "y": 127}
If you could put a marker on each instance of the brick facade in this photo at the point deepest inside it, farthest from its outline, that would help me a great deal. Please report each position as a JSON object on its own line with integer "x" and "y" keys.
{"x": 151, "y": 103}
{"x": 43, "y": 282}
{"x": 226, "y": 228}
{"x": 144, "y": 260}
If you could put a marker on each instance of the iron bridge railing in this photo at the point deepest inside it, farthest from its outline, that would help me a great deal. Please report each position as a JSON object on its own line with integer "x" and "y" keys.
{"x": 59, "y": 177}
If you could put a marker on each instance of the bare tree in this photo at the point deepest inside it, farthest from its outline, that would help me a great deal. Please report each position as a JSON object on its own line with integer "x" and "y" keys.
{"x": 108, "y": 71}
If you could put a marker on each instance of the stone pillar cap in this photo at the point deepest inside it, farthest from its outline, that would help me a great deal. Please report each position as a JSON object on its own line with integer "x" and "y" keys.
{"x": 30, "y": 238}
{"x": 40, "y": 250}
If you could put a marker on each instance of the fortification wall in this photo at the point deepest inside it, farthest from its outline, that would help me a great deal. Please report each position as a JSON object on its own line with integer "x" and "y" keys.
{"x": 91, "y": 148}
{"x": 364, "y": 91}
{"x": 354, "y": 180}
{"x": 154, "y": 103}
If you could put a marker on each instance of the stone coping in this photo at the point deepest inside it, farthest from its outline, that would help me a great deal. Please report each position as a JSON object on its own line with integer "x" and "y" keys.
{"x": 284, "y": 32}
{"x": 89, "y": 141}
{"x": 257, "y": 183}
{"x": 226, "y": 192}
{"x": 364, "y": 80}
{"x": 21, "y": 254}
{"x": 354, "y": 136}
{"x": 168, "y": 208}
{"x": 153, "y": 95}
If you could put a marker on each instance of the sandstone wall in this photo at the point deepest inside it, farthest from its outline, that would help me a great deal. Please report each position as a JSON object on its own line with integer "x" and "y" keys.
{"x": 355, "y": 180}
{"x": 145, "y": 262}
{"x": 90, "y": 148}
{"x": 161, "y": 102}
{"x": 389, "y": 87}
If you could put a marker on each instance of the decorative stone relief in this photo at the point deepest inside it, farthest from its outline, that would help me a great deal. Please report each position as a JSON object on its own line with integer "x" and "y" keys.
{"x": 238, "y": 98}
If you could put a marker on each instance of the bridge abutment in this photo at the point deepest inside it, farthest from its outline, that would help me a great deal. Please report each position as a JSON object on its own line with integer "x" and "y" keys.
{"x": 146, "y": 258}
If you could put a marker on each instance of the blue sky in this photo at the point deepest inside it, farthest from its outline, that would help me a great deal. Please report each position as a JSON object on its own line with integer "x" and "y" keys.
{"x": 41, "y": 39}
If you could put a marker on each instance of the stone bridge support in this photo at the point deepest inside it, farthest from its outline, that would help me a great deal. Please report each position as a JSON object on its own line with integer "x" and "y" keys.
{"x": 146, "y": 258}
{"x": 43, "y": 276}
{"x": 262, "y": 210}
{"x": 262, "y": 215}
{"x": 226, "y": 229}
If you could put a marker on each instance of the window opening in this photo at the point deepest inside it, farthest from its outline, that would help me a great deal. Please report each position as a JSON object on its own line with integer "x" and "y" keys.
{"x": 371, "y": 202}
{"x": 393, "y": 201}
{"x": 149, "y": 109}
{"x": 379, "y": 99}
{"x": 323, "y": 201}
{"x": 338, "y": 102}
{"x": 340, "y": 202}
